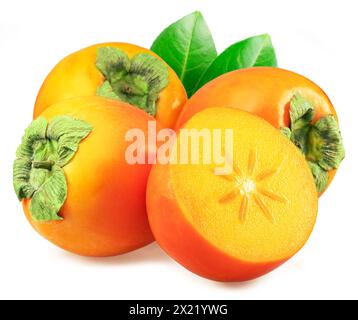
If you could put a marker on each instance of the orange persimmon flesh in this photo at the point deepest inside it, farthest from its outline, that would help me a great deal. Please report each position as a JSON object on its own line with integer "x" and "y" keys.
{"x": 243, "y": 225}
{"x": 77, "y": 76}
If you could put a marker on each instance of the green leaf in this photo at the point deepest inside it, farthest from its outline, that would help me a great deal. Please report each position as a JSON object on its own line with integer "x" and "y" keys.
{"x": 49, "y": 198}
{"x": 188, "y": 48}
{"x": 252, "y": 52}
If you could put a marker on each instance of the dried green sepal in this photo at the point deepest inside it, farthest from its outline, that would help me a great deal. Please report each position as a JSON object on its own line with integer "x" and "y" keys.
{"x": 37, "y": 171}
{"x": 320, "y": 142}
{"x": 137, "y": 81}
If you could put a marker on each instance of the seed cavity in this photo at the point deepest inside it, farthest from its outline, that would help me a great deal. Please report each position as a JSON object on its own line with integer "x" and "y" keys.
{"x": 248, "y": 187}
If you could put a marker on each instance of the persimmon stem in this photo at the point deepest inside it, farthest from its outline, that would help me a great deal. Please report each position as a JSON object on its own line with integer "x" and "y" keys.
{"x": 43, "y": 164}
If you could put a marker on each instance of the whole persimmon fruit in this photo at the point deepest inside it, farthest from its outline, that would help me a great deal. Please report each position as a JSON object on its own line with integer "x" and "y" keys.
{"x": 288, "y": 101}
{"x": 76, "y": 187}
{"x": 239, "y": 225}
{"x": 118, "y": 71}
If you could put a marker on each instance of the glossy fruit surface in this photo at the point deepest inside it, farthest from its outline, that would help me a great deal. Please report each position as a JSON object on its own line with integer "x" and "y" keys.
{"x": 285, "y": 99}
{"x": 78, "y": 75}
{"x": 104, "y": 213}
{"x": 238, "y": 226}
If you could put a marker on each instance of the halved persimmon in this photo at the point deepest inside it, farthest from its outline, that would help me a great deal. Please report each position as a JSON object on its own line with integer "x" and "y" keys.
{"x": 241, "y": 225}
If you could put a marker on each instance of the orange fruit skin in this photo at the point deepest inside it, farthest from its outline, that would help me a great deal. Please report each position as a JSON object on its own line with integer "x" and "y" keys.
{"x": 77, "y": 76}
{"x": 192, "y": 251}
{"x": 181, "y": 220}
{"x": 105, "y": 210}
{"x": 263, "y": 91}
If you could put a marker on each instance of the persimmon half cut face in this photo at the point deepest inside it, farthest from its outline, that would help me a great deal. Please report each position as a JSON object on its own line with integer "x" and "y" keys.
{"x": 238, "y": 226}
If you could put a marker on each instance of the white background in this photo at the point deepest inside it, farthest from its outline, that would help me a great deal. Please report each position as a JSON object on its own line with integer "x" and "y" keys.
{"x": 315, "y": 38}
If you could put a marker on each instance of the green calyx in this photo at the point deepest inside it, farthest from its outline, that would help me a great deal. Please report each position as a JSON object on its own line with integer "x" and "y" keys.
{"x": 320, "y": 142}
{"x": 38, "y": 168}
{"x": 137, "y": 81}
